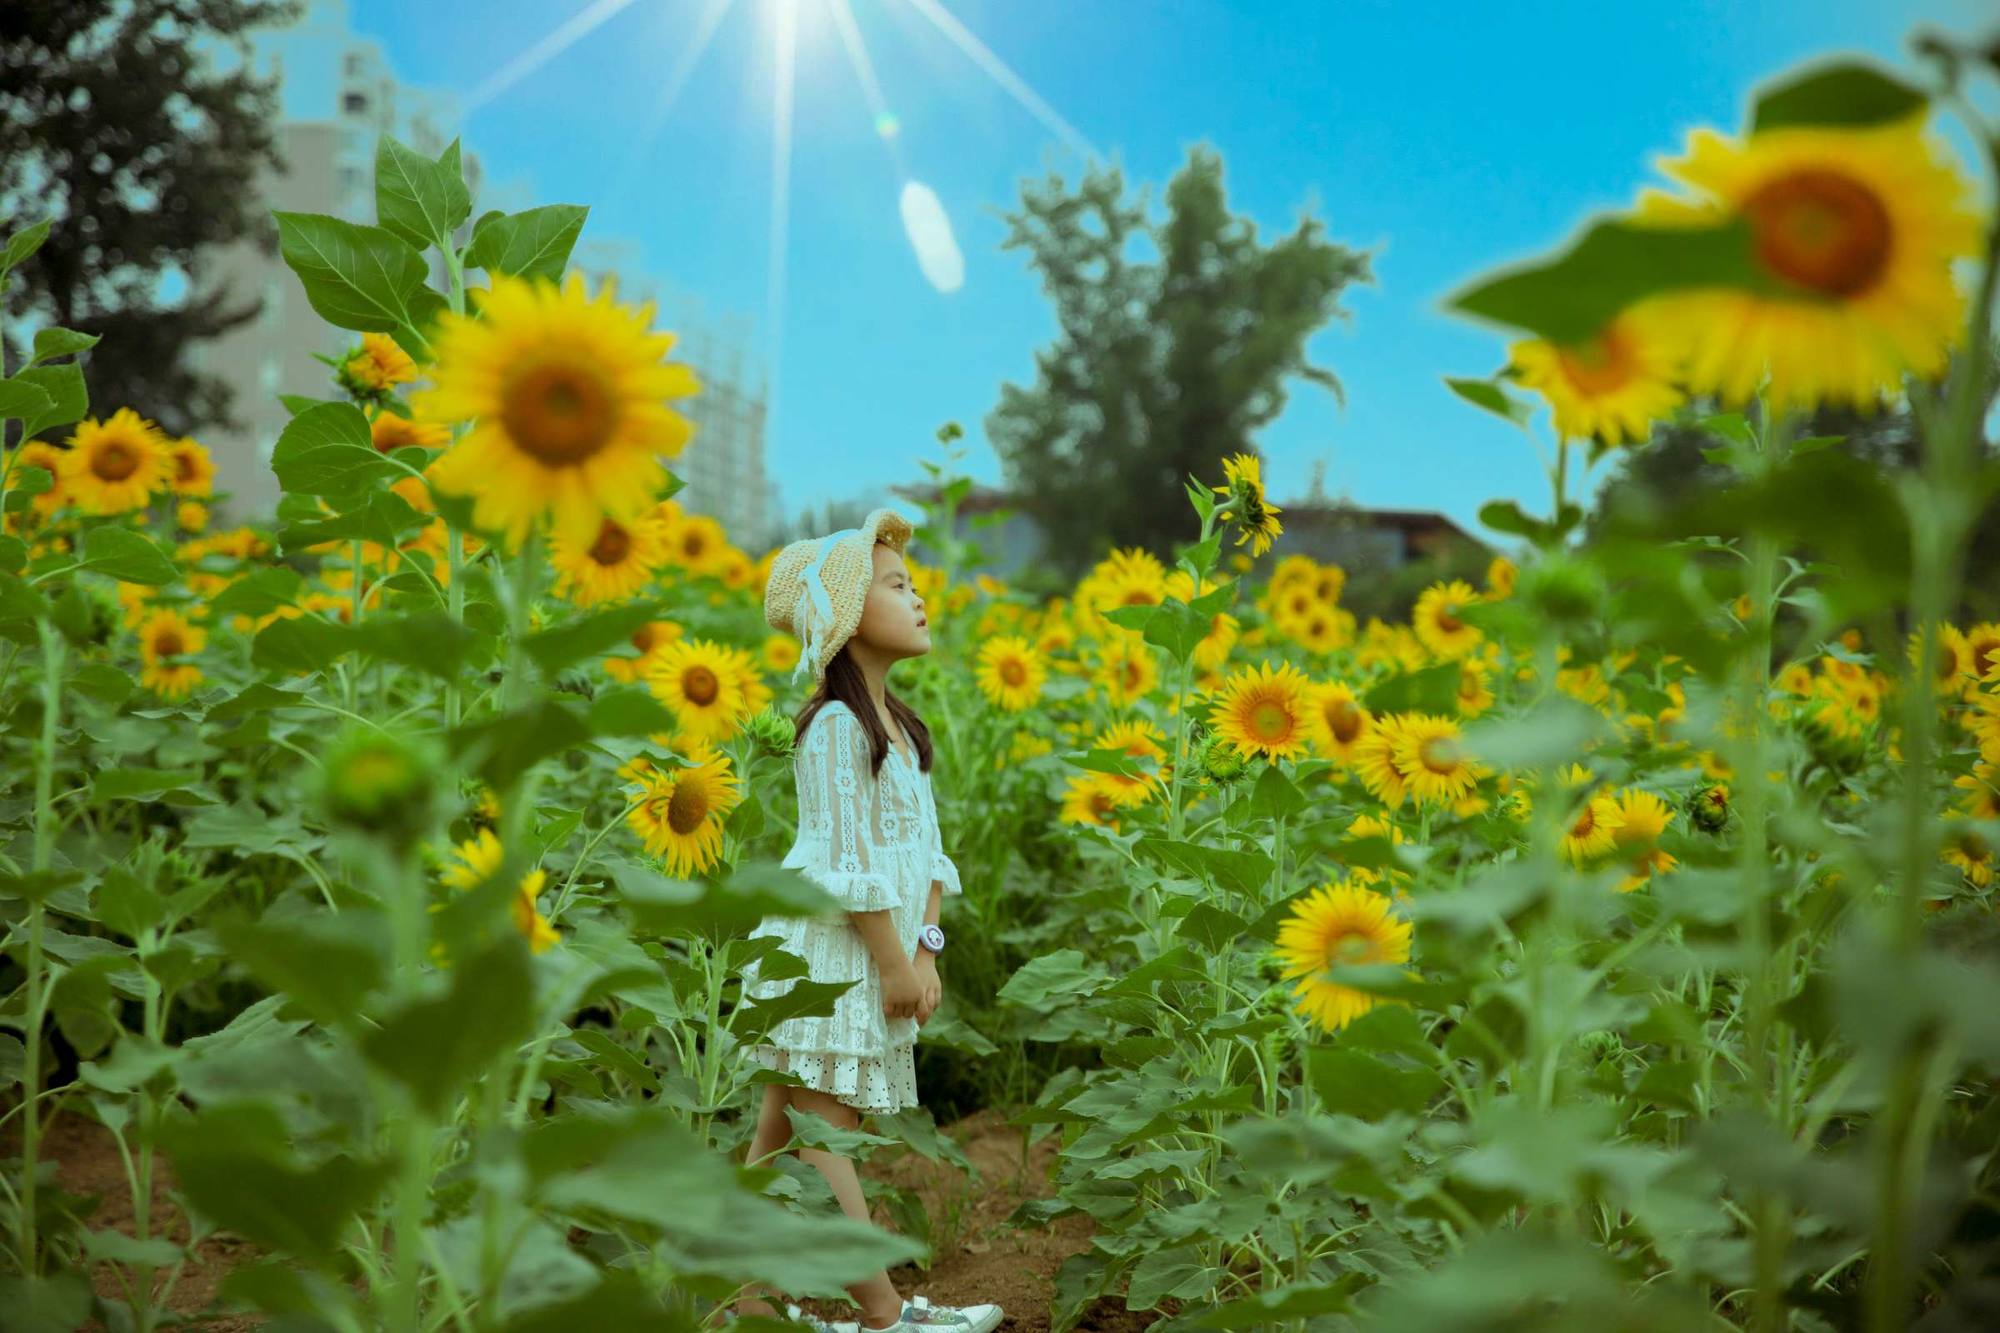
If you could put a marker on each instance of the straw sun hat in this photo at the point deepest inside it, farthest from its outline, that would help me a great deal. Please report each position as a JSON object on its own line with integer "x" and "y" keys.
{"x": 818, "y": 586}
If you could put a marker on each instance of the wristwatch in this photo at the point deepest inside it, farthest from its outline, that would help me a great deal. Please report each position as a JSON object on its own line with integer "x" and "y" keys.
{"x": 931, "y": 937}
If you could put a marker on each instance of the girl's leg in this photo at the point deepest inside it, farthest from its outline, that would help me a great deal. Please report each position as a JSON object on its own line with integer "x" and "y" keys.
{"x": 881, "y": 1304}
{"x": 774, "y": 1130}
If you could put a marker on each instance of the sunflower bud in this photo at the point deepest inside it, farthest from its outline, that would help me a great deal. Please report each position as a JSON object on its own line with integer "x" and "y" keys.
{"x": 773, "y": 732}
{"x": 379, "y": 783}
{"x": 1221, "y": 761}
{"x": 1708, "y": 808}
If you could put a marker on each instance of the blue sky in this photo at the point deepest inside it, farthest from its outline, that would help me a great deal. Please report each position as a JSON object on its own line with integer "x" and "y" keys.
{"x": 1445, "y": 139}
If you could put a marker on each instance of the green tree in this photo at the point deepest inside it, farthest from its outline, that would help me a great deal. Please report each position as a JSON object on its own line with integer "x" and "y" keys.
{"x": 113, "y": 124}
{"x": 1162, "y": 365}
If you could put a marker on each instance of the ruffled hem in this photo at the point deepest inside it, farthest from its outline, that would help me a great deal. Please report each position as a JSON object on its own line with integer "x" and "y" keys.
{"x": 945, "y": 873}
{"x": 856, "y": 891}
{"x": 879, "y": 1085}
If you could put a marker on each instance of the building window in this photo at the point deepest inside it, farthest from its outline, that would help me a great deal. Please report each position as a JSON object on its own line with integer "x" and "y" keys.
{"x": 354, "y": 104}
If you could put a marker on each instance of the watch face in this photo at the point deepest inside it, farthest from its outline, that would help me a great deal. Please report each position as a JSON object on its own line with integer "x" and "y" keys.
{"x": 933, "y": 936}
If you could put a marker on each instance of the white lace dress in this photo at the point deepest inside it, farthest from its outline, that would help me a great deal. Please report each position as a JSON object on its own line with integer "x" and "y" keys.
{"x": 872, "y": 841}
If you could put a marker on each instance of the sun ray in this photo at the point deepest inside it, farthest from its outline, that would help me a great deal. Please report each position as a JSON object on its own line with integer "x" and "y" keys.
{"x": 670, "y": 91}
{"x": 864, "y": 71}
{"x": 781, "y": 190}
{"x": 548, "y": 48}
{"x": 997, "y": 70}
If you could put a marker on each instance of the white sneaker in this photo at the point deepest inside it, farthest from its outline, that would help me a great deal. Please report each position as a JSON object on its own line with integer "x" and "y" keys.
{"x": 920, "y": 1316}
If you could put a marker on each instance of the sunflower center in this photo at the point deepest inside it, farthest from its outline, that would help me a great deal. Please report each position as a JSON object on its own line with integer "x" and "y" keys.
{"x": 1349, "y": 947}
{"x": 1128, "y": 675}
{"x": 700, "y": 686}
{"x": 613, "y": 544}
{"x": 558, "y": 414}
{"x": 642, "y": 638}
{"x": 184, "y": 467}
{"x": 1013, "y": 674}
{"x": 1344, "y": 719}
{"x": 114, "y": 462}
{"x": 1447, "y": 618}
{"x": 693, "y": 544}
{"x": 687, "y": 808}
{"x": 1585, "y": 825}
{"x": 1821, "y": 230}
{"x": 1597, "y": 365}
{"x": 168, "y": 643}
{"x": 1270, "y": 720}
{"x": 1438, "y": 754}
{"x": 1138, "y": 597}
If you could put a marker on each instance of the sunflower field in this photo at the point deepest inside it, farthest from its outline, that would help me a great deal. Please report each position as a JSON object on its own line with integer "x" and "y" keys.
{"x": 1610, "y": 946}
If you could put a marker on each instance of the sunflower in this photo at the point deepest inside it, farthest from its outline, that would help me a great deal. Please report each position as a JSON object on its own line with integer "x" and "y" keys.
{"x": 1011, "y": 673}
{"x": 1971, "y": 853}
{"x": 1429, "y": 750}
{"x": 1474, "y": 696}
{"x": 681, "y": 811}
{"x": 1637, "y": 839}
{"x": 1266, "y": 712}
{"x": 1338, "y": 924}
{"x": 568, "y": 393}
{"x": 478, "y": 860}
{"x": 1858, "y": 228}
{"x": 1343, "y": 720}
{"x": 1087, "y": 799}
{"x": 166, "y": 641}
{"x": 697, "y": 543}
{"x": 1375, "y": 826}
{"x": 1610, "y": 387}
{"x": 1593, "y": 829}
{"x": 115, "y": 466}
{"x": 1256, "y": 518}
{"x": 618, "y": 562}
{"x": 1126, "y": 670}
{"x": 190, "y": 516}
{"x": 377, "y": 366}
{"x": 1436, "y": 619}
{"x": 190, "y": 469}
{"x": 1982, "y": 790}
{"x": 651, "y": 639}
{"x": 1982, "y": 648}
{"x": 1378, "y": 760}
{"x": 1320, "y": 630}
{"x": 1140, "y": 741}
{"x": 1501, "y": 574}
{"x": 1127, "y": 577}
{"x": 779, "y": 653}
{"x": 700, "y": 682}
{"x": 389, "y": 432}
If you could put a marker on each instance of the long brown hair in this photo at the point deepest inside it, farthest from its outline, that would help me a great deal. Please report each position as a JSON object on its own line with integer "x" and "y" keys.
{"x": 845, "y": 682}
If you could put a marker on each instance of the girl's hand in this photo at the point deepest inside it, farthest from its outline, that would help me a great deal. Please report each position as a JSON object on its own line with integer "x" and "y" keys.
{"x": 933, "y": 989}
{"x": 902, "y": 992}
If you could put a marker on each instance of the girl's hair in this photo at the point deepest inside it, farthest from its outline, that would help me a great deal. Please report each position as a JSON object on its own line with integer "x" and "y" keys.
{"x": 845, "y": 682}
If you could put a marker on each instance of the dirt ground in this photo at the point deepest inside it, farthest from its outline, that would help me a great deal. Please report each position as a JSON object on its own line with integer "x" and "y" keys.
{"x": 980, "y": 1257}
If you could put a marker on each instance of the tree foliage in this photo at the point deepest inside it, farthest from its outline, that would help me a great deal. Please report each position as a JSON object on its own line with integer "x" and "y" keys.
{"x": 1161, "y": 366}
{"x": 113, "y": 124}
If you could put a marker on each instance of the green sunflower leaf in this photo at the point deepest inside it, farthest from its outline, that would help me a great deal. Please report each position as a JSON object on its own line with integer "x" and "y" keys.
{"x": 417, "y": 199}
{"x": 531, "y": 244}
{"x": 1846, "y": 93}
{"x": 327, "y": 450}
{"x": 356, "y": 277}
{"x": 128, "y": 555}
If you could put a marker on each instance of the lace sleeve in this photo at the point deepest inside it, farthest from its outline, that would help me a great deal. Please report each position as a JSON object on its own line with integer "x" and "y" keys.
{"x": 840, "y": 843}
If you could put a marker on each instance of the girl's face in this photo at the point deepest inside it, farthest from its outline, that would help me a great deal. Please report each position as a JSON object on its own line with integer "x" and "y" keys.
{"x": 892, "y": 619}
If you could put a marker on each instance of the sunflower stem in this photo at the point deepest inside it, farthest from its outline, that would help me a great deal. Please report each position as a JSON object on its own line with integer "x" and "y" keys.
{"x": 1936, "y": 567}
{"x": 1769, "y": 1210}
{"x": 37, "y": 988}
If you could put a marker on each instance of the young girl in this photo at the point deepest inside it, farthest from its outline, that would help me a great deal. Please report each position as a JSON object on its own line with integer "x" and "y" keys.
{"x": 868, "y": 834}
